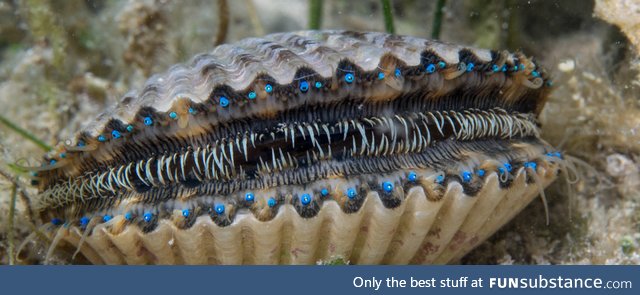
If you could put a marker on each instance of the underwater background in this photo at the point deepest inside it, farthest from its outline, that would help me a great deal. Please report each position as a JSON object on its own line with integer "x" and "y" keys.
{"x": 62, "y": 62}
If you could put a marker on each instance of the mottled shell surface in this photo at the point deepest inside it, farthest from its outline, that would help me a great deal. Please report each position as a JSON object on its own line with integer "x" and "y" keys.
{"x": 304, "y": 147}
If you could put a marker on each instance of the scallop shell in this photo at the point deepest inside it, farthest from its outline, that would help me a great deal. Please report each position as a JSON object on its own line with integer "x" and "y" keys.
{"x": 408, "y": 151}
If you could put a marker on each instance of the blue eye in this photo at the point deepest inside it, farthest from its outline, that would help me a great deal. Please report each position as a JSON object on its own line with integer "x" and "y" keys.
{"x": 129, "y": 128}
{"x": 268, "y": 88}
{"x": 173, "y": 115}
{"x": 412, "y": 176}
{"x": 466, "y": 176}
{"x": 387, "y": 186}
{"x": 349, "y": 78}
{"x": 351, "y": 193}
{"x": 305, "y": 199}
{"x": 531, "y": 165}
{"x": 252, "y": 95}
{"x": 470, "y": 67}
{"x": 147, "y": 217}
{"x": 148, "y": 121}
{"x": 116, "y": 134}
{"x": 431, "y": 68}
{"x": 304, "y": 86}
{"x": 224, "y": 101}
{"x": 249, "y": 197}
{"x": 380, "y": 76}
{"x": 324, "y": 192}
{"x": 219, "y": 208}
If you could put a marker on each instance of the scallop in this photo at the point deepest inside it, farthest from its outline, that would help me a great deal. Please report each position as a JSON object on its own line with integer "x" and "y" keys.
{"x": 305, "y": 147}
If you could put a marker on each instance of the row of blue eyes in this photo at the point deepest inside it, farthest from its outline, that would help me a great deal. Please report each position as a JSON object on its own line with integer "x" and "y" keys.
{"x": 304, "y": 87}
{"x": 350, "y": 78}
{"x": 352, "y": 193}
